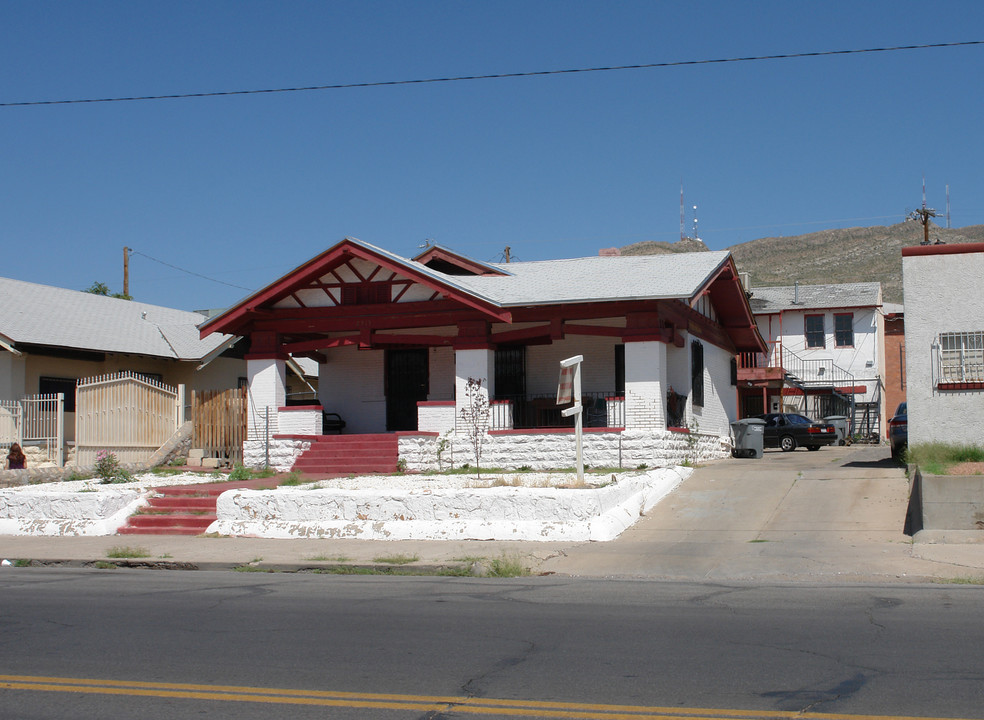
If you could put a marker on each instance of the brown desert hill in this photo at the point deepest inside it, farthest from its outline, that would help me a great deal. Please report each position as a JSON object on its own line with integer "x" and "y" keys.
{"x": 871, "y": 254}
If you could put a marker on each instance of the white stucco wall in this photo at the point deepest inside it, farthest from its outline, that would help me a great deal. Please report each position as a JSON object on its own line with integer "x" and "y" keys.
{"x": 720, "y": 396}
{"x": 351, "y": 384}
{"x": 863, "y": 360}
{"x": 942, "y": 294}
{"x": 12, "y": 368}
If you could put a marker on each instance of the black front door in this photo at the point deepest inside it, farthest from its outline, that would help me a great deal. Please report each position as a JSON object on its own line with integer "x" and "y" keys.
{"x": 407, "y": 383}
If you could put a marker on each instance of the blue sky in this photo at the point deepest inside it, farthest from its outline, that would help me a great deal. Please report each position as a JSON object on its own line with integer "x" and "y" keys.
{"x": 241, "y": 189}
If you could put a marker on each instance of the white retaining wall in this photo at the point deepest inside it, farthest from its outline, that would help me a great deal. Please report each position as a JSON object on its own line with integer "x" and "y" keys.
{"x": 496, "y": 513}
{"x": 45, "y": 512}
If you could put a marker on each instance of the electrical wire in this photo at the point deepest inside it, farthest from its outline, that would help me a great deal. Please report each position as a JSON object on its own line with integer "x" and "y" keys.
{"x": 495, "y": 76}
{"x": 189, "y": 272}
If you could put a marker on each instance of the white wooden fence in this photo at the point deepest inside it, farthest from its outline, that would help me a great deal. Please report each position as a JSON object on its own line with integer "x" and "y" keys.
{"x": 126, "y": 414}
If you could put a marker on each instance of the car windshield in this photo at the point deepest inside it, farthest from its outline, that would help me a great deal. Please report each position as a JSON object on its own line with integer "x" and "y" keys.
{"x": 901, "y": 409}
{"x": 798, "y": 420}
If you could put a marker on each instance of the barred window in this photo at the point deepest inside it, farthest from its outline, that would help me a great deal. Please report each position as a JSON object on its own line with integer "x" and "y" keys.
{"x": 962, "y": 357}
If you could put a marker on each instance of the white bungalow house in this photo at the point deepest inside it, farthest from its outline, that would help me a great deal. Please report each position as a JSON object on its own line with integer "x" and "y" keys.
{"x": 398, "y": 341}
{"x": 944, "y": 342}
{"x": 826, "y": 354}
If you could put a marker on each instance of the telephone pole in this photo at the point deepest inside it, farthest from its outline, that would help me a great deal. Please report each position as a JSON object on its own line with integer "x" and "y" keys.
{"x": 126, "y": 271}
{"x": 923, "y": 215}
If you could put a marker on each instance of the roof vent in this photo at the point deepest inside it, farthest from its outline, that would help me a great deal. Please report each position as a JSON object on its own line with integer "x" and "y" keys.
{"x": 143, "y": 315}
{"x": 796, "y": 293}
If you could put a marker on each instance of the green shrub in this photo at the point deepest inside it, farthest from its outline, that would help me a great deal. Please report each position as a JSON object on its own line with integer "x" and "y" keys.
{"x": 240, "y": 473}
{"x": 109, "y": 470}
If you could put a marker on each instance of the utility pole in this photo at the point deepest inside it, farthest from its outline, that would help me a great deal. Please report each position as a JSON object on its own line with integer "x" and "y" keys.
{"x": 126, "y": 271}
{"x": 923, "y": 215}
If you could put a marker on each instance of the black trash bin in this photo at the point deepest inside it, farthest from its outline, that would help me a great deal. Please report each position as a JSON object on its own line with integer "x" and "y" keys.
{"x": 749, "y": 437}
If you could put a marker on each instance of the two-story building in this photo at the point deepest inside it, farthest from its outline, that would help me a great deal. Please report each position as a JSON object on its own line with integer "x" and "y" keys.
{"x": 825, "y": 354}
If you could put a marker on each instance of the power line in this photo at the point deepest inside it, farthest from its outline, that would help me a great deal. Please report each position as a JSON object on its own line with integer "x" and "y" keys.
{"x": 189, "y": 272}
{"x": 496, "y": 76}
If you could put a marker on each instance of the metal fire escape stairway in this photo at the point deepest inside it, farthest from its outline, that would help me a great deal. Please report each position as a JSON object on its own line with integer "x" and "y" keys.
{"x": 820, "y": 379}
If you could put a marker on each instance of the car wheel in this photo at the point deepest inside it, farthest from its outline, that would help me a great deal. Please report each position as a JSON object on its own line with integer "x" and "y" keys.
{"x": 787, "y": 443}
{"x": 812, "y": 447}
{"x": 734, "y": 453}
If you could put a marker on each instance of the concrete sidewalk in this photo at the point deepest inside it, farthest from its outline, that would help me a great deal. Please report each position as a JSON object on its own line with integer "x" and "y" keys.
{"x": 835, "y": 515}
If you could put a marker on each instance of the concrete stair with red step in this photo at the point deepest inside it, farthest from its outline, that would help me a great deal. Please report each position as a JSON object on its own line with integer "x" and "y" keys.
{"x": 184, "y": 509}
{"x": 176, "y": 510}
{"x": 347, "y": 454}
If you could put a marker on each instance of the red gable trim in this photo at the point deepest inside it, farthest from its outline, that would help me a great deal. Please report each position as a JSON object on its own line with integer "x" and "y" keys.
{"x": 318, "y": 266}
{"x": 958, "y": 249}
{"x": 453, "y": 258}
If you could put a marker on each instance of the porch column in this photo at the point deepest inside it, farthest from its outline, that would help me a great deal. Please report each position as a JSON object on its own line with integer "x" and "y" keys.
{"x": 645, "y": 385}
{"x": 473, "y": 363}
{"x": 267, "y": 393}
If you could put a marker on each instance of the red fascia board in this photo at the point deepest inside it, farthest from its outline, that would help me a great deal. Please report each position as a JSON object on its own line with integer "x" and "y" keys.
{"x": 439, "y": 253}
{"x": 957, "y": 249}
{"x": 724, "y": 285}
{"x": 319, "y": 265}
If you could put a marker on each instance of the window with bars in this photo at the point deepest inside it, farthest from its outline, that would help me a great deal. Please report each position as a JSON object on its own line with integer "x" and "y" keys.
{"x": 962, "y": 357}
{"x": 815, "y": 331}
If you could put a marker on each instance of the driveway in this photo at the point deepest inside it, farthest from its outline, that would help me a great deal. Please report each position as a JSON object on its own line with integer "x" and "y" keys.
{"x": 834, "y": 514}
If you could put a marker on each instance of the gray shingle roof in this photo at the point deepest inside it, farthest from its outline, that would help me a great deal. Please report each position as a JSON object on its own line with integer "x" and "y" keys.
{"x": 591, "y": 279}
{"x": 45, "y": 315}
{"x": 544, "y": 282}
{"x": 815, "y": 297}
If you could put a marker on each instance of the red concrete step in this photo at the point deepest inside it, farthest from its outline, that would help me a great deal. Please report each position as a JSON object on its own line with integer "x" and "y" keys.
{"x": 167, "y": 520}
{"x": 348, "y": 454}
{"x": 183, "y": 502}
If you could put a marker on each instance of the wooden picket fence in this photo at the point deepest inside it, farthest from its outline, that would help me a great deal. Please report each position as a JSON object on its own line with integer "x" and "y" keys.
{"x": 220, "y": 422}
{"x": 126, "y": 414}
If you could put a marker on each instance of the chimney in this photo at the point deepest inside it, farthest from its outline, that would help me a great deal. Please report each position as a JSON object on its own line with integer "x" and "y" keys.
{"x": 746, "y": 280}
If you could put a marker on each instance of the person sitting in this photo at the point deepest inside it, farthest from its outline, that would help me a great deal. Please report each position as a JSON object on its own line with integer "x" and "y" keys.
{"x": 15, "y": 458}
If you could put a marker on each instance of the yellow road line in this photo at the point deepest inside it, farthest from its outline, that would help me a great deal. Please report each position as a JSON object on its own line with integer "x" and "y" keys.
{"x": 417, "y": 703}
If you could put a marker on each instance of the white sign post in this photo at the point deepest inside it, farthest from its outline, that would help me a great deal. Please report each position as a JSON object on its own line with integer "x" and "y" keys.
{"x": 569, "y": 388}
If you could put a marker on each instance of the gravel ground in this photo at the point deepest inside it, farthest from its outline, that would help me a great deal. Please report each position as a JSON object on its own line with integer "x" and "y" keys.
{"x": 410, "y": 483}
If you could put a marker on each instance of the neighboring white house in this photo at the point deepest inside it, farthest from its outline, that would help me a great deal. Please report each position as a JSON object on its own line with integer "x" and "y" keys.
{"x": 944, "y": 342}
{"x": 826, "y": 347}
{"x": 51, "y": 337}
{"x": 397, "y": 341}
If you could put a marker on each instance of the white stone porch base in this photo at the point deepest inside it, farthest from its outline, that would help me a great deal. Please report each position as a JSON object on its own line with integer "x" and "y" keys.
{"x": 495, "y": 513}
{"x": 283, "y": 453}
{"x": 552, "y": 449}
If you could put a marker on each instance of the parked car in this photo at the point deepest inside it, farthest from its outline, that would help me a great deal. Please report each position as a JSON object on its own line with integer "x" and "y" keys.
{"x": 788, "y": 431}
{"x": 898, "y": 431}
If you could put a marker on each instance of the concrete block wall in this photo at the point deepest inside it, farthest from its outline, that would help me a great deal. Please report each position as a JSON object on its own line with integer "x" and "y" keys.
{"x": 436, "y": 416}
{"x": 267, "y": 383}
{"x": 645, "y": 385}
{"x": 300, "y": 420}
